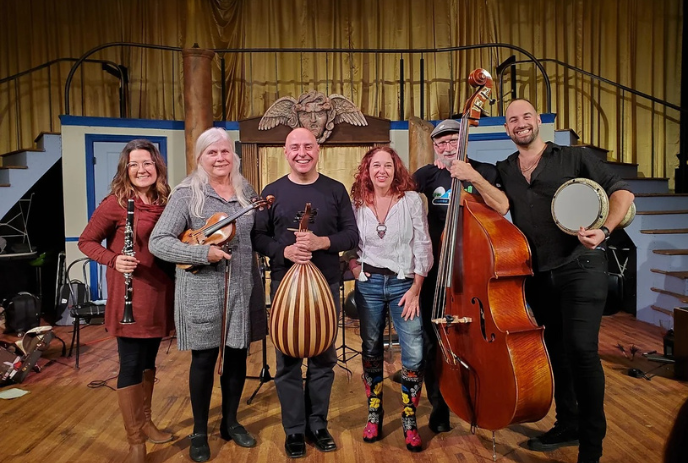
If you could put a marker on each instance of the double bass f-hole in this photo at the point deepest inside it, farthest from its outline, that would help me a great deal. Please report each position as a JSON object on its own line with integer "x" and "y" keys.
{"x": 483, "y": 329}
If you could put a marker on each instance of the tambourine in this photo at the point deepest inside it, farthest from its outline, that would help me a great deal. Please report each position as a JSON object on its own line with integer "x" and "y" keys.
{"x": 628, "y": 218}
{"x": 580, "y": 202}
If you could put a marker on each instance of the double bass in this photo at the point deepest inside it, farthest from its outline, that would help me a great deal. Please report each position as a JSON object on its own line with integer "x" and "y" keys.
{"x": 494, "y": 369}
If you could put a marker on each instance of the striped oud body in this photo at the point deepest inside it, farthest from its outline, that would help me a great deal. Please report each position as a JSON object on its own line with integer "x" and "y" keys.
{"x": 303, "y": 321}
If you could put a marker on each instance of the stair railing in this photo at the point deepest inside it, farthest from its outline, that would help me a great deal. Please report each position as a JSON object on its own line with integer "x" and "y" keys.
{"x": 107, "y": 66}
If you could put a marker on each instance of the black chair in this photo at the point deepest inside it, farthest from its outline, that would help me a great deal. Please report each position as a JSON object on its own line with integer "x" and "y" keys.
{"x": 81, "y": 306}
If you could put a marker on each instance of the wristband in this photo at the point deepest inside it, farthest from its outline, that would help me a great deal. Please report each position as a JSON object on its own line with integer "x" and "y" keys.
{"x": 606, "y": 232}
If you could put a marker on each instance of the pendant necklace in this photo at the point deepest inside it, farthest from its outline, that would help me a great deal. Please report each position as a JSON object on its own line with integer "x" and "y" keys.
{"x": 533, "y": 164}
{"x": 381, "y": 227}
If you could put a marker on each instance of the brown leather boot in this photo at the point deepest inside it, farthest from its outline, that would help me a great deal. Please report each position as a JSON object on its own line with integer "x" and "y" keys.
{"x": 149, "y": 429}
{"x": 131, "y": 406}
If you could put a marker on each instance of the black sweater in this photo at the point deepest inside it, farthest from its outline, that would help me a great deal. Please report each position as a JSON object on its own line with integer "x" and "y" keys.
{"x": 334, "y": 219}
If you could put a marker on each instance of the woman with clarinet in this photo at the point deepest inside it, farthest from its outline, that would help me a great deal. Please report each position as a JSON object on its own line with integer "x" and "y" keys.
{"x": 137, "y": 279}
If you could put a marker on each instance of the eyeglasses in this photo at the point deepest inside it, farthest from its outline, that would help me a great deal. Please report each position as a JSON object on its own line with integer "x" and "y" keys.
{"x": 443, "y": 144}
{"x": 135, "y": 165}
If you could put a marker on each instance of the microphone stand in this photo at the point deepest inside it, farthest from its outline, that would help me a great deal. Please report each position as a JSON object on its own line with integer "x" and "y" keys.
{"x": 264, "y": 375}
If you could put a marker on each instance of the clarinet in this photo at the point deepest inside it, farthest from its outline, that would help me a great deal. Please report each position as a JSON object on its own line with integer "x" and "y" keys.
{"x": 128, "y": 316}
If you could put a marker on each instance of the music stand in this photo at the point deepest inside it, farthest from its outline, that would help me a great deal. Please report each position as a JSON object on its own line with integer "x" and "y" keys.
{"x": 346, "y": 275}
{"x": 264, "y": 375}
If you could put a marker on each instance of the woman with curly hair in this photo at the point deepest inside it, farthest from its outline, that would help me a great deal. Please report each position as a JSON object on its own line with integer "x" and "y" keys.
{"x": 394, "y": 256}
{"x": 141, "y": 176}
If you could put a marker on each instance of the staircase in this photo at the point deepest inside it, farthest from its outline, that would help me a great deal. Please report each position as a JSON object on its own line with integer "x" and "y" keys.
{"x": 20, "y": 170}
{"x": 660, "y": 234}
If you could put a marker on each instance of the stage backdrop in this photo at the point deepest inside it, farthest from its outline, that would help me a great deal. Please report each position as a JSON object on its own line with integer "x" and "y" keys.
{"x": 634, "y": 43}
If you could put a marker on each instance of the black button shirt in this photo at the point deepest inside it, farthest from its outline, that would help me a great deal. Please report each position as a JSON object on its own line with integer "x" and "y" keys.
{"x": 530, "y": 204}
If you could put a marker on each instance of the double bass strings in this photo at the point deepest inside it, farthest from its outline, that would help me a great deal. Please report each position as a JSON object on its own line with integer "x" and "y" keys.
{"x": 449, "y": 244}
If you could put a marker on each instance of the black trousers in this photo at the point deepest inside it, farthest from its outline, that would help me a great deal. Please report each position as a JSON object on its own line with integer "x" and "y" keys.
{"x": 430, "y": 344}
{"x": 135, "y": 356}
{"x": 305, "y": 404}
{"x": 201, "y": 379}
{"x": 569, "y": 302}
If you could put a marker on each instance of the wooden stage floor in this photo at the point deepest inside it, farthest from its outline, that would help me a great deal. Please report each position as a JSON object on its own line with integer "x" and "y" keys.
{"x": 65, "y": 420}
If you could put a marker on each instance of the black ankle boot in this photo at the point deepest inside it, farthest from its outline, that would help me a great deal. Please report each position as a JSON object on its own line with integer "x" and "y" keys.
{"x": 199, "y": 450}
{"x": 238, "y": 434}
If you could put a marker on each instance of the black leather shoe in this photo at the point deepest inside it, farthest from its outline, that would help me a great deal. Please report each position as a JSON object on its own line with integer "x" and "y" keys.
{"x": 199, "y": 450}
{"x": 439, "y": 421}
{"x": 238, "y": 434}
{"x": 559, "y": 436}
{"x": 295, "y": 445}
{"x": 322, "y": 440}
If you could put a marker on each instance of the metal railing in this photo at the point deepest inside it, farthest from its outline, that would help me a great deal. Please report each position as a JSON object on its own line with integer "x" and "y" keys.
{"x": 395, "y": 51}
{"x": 14, "y": 80}
{"x": 509, "y": 64}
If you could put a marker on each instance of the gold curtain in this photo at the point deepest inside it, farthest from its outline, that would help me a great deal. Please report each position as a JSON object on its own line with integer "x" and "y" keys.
{"x": 337, "y": 162}
{"x": 636, "y": 43}
{"x": 249, "y": 164}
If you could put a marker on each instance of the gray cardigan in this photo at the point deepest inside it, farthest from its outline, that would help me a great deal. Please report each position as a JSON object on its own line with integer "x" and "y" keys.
{"x": 199, "y": 297}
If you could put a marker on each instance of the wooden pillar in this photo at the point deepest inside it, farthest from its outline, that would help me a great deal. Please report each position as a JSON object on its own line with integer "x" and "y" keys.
{"x": 198, "y": 98}
{"x": 420, "y": 144}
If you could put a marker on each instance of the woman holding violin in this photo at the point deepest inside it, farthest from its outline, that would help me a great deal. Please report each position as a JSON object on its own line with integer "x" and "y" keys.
{"x": 394, "y": 257}
{"x": 141, "y": 176}
{"x": 201, "y": 305}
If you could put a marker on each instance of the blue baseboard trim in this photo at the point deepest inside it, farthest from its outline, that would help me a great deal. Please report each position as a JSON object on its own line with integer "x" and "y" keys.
{"x": 227, "y": 125}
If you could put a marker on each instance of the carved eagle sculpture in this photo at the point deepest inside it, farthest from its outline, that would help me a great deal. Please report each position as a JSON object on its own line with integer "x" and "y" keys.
{"x": 313, "y": 111}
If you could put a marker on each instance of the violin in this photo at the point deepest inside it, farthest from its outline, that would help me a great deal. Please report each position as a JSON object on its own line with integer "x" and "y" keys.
{"x": 220, "y": 228}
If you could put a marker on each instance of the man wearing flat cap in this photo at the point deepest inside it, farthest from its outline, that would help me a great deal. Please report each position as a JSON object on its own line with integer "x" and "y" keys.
{"x": 434, "y": 181}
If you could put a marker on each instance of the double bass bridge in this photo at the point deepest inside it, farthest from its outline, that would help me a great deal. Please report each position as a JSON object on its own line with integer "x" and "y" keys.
{"x": 448, "y": 320}
{"x": 445, "y": 322}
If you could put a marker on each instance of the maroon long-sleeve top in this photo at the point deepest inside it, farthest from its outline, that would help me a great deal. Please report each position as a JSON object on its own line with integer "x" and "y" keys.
{"x": 153, "y": 288}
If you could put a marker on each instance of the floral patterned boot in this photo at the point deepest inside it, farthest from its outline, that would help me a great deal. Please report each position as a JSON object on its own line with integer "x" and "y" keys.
{"x": 372, "y": 379}
{"x": 411, "y": 385}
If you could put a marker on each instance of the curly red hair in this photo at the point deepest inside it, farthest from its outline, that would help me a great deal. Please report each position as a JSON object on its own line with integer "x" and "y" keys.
{"x": 362, "y": 190}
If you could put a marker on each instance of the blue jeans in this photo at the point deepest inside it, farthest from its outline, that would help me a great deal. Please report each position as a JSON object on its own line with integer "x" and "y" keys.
{"x": 372, "y": 298}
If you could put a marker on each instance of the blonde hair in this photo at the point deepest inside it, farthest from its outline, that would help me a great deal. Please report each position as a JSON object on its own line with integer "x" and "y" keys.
{"x": 198, "y": 179}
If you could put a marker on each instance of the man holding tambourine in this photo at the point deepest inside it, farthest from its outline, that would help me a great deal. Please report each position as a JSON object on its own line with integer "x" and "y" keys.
{"x": 566, "y": 293}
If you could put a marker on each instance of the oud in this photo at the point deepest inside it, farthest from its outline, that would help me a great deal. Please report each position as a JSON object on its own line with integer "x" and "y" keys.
{"x": 303, "y": 321}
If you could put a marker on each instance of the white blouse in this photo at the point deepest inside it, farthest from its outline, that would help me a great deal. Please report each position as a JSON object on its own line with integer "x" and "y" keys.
{"x": 405, "y": 247}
